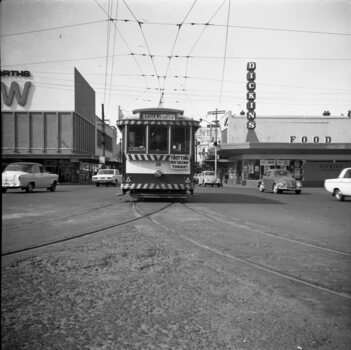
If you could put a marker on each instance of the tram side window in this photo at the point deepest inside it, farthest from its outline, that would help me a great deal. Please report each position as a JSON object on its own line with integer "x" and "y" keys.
{"x": 136, "y": 139}
{"x": 180, "y": 140}
{"x": 158, "y": 139}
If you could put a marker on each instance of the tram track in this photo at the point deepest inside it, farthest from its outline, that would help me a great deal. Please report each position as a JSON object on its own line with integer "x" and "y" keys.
{"x": 246, "y": 261}
{"x": 262, "y": 232}
{"x": 58, "y": 218}
{"x": 140, "y": 216}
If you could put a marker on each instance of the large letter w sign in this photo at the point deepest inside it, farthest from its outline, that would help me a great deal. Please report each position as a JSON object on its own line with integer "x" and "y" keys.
{"x": 15, "y": 91}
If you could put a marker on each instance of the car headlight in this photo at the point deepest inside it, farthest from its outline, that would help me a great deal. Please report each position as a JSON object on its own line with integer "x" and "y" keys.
{"x": 298, "y": 184}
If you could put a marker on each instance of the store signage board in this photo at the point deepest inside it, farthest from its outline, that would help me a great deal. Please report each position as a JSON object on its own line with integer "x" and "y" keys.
{"x": 251, "y": 95}
{"x": 14, "y": 91}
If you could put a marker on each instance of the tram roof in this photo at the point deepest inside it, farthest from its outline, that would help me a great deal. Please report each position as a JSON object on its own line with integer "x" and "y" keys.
{"x": 158, "y": 110}
{"x": 158, "y": 116}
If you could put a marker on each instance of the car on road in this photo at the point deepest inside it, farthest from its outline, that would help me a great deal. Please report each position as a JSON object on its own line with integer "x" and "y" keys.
{"x": 279, "y": 180}
{"x": 28, "y": 176}
{"x": 209, "y": 178}
{"x": 341, "y": 186}
{"x": 107, "y": 177}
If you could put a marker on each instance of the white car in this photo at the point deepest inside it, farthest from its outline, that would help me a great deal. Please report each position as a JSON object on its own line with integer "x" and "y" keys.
{"x": 209, "y": 178}
{"x": 107, "y": 177}
{"x": 341, "y": 186}
{"x": 27, "y": 176}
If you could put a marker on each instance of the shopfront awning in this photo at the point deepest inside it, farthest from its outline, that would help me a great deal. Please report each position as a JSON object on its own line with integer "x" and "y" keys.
{"x": 314, "y": 150}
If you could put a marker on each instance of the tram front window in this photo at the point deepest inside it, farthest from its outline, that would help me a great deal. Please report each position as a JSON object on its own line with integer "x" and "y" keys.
{"x": 158, "y": 139}
{"x": 136, "y": 139}
{"x": 180, "y": 140}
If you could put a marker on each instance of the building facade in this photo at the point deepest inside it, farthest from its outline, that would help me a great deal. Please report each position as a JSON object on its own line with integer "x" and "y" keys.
{"x": 312, "y": 148}
{"x": 57, "y": 128}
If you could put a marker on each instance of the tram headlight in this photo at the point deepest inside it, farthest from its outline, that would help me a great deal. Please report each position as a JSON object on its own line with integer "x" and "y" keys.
{"x": 158, "y": 173}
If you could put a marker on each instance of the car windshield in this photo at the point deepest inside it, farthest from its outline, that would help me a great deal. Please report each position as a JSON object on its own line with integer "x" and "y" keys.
{"x": 19, "y": 167}
{"x": 282, "y": 173}
{"x": 209, "y": 173}
{"x": 105, "y": 172}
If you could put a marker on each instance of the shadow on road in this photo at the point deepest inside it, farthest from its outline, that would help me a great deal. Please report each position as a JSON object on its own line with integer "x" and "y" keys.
{"x": 231, "y": 198}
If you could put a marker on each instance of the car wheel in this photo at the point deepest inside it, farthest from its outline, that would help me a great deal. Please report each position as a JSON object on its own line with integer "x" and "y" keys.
{"x": 30, "y": 187}
{"x": 97, "y": 184}
{"x": 276, "y": 190}
{"x": 4, "y": 189}
{"x": 297, "y": 191}
{"x": 261, "y": 187}
{"x": 52, "y": 188}
{"x": 339, "y": 195}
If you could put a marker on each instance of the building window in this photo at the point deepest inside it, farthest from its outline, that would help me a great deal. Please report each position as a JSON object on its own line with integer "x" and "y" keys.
{"x": 108, "y": 141}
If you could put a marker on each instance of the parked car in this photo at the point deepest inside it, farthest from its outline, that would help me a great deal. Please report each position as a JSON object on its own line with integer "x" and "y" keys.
{"x": 341, "y": 186}
{"x": 28, "y": 176}
{"x": 279, "y": 180}
{"x": 209, "y": 178}
{"x": 107, "y": 177}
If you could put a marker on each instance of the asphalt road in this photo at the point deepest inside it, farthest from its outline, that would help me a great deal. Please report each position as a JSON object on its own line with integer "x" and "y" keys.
{"x": 313, "y": 216}
{"x": 275, "y": 266}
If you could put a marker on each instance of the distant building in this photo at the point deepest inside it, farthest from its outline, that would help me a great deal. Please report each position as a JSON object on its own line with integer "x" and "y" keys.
{"x": 54, "y": 126}
{"x": 312, "y": 148}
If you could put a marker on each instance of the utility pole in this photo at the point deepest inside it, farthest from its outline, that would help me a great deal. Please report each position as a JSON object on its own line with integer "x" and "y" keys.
{"x": 103, "y": 131}
{"x": 216, "y": 112}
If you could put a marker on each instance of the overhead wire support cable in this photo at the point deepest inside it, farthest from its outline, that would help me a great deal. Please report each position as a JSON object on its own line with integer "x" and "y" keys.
{"x": 54, "y": 28}
{"x": 113, "y": 55}
{"x": 174, "y": 44}
{"x": 225, "y": 54}
{"x": 145, "y": 41}
{"x": 243, "y": 27}
{"x": 125, "y": 42}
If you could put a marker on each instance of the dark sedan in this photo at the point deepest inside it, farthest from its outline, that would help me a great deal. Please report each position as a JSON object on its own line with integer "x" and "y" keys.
{"x": 278, "y": 180}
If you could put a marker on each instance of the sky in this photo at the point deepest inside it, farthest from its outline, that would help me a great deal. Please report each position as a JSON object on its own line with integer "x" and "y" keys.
{"x": 193, "y": 52}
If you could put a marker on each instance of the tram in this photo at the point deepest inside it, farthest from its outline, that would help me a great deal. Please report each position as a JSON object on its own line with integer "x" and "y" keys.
{"x": 158, "y": 153}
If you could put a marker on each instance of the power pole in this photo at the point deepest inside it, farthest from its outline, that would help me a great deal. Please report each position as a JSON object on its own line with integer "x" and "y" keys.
{"x": 103, "y": 131}
{"x": 216, "y": 112}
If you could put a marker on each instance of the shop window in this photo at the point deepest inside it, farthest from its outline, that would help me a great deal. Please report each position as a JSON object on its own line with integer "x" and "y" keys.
{"x": 158, "y": 137}
{"x": 136, "y": 139}
{"x": 180, "y": 140}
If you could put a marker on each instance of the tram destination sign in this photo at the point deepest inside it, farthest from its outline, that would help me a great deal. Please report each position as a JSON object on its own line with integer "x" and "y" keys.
{"x": 157, "y": 116}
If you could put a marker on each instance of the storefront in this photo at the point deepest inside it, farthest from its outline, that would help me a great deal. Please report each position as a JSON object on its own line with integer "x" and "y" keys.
{"x": 57, "y": 128}
{"x": 312, "y": 148}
